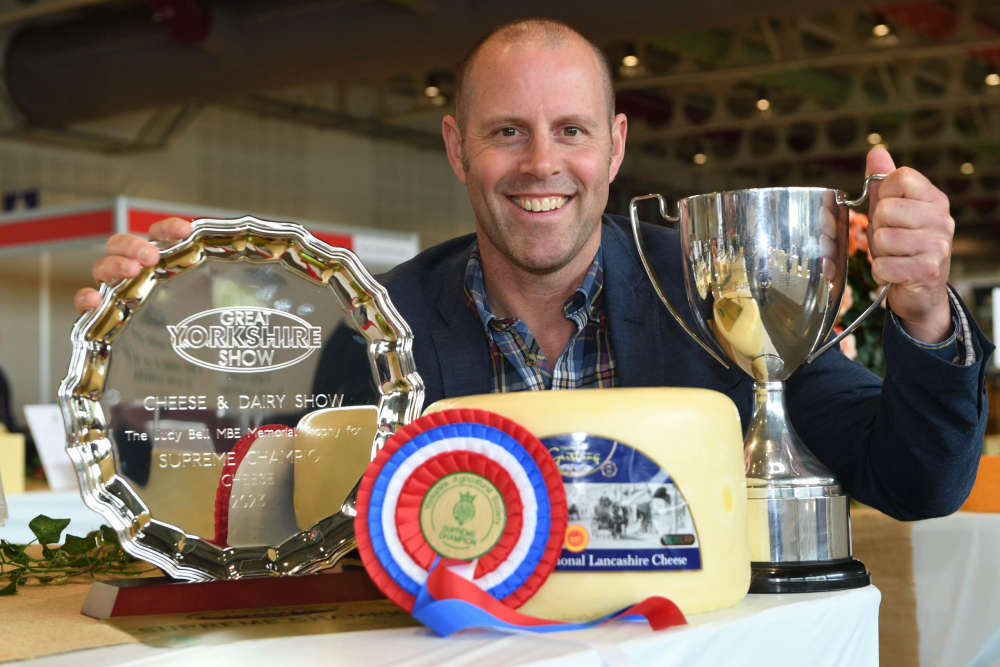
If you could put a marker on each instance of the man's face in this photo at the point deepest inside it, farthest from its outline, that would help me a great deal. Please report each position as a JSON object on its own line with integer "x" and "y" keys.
{"x": 536, "y": 153}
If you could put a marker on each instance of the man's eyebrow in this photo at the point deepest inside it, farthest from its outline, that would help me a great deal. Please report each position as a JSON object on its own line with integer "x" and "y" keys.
{"x": 576, "y": 119}
{"x": 494, "y": 121}
{"x": 560, "y": 121}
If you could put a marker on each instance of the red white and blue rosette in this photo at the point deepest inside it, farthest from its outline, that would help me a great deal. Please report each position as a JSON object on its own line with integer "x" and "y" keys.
{"x": 448, "y": 466}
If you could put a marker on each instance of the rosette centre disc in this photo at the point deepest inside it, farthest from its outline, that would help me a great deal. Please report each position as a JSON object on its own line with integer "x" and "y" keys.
{"x": 462, "y": 516}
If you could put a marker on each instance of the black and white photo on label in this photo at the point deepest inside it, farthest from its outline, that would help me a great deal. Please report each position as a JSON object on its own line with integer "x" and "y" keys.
{"x": 637, "y": 515}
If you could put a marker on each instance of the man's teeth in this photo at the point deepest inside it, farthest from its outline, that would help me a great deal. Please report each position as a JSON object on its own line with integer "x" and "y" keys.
{"x": 542, "y": 204}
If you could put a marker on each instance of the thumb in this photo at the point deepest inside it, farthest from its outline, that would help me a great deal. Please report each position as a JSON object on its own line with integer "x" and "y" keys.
{"x": 878, "y": 161}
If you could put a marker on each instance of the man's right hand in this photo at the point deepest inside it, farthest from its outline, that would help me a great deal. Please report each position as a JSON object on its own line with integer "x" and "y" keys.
{"x": 127, "y": 255}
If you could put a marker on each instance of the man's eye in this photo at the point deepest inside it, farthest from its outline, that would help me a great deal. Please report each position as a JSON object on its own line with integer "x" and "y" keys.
{"x": 508, "y": 132}
{"x": 572, "y": 131}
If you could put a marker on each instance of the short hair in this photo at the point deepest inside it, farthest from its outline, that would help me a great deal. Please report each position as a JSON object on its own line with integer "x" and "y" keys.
{"x": 547, "y": 31}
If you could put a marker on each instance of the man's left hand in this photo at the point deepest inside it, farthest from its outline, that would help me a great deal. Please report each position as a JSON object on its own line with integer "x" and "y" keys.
{"x": 909, "y": 234}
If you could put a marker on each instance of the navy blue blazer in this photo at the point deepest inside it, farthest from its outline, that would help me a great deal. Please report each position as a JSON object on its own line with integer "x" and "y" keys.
{"x": 910, "y": 448}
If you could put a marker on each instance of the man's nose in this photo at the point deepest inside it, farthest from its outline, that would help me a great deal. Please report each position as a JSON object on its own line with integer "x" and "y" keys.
{"x": 541, "y": 159}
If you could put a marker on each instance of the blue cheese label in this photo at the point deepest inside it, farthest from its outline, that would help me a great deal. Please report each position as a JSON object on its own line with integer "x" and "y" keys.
{"x": 625, "y": 512}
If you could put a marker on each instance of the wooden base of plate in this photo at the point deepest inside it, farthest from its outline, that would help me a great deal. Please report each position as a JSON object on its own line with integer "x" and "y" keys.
{"x": 162, "y": 595}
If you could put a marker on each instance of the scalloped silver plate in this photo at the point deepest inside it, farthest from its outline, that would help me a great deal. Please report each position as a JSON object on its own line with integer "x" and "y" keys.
{"x": 162, "y": 389}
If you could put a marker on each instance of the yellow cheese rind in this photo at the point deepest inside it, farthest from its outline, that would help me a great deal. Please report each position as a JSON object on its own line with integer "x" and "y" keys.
{"x": 336, "y": 447}
{"x": 183, "y": 496}
{"x": 695, "y": 436}
{"x": 261, "y": 511}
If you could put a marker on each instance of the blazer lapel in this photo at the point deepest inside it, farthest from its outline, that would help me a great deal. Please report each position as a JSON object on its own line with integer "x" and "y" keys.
{"x": 650, "y": 348}
{"x": 460, "y": 345}
{"x": 633, "y": 311}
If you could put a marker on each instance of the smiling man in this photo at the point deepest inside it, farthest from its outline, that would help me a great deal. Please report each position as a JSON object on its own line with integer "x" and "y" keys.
{"x": 549, "y": 292}
{"x": 537, "y": 143}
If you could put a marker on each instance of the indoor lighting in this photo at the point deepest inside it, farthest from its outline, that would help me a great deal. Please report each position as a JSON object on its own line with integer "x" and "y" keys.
{"x": 874, "y": 138}
{"x": 993, "y": 79}
{"x": 967, "y": 168}
{"x": 881, "y": 30}
{"x": 630, "y": 61}
{"x": 763, "y": 104}
{"x": 432, "y": 91}
{"x": 700, "y": 158}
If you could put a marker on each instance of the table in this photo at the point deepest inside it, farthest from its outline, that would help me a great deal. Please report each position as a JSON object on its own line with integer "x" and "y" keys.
{"x": 940, "y": 585}
{"x": 820, "y": 629}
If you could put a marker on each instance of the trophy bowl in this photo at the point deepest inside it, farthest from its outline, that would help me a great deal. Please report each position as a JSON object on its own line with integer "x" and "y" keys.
{"x": 765, "y": 271}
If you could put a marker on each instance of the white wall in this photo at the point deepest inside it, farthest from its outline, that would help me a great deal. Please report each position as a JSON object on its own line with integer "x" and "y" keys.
{"x": 224, "y": 159}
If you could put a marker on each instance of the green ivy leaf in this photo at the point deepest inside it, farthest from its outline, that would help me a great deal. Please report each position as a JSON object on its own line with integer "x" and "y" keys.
{"x": 109, "y": 536}
{"x": 77, "y": 546}
{"x": 10, "y": 588}
{"x": 99, "y": 552}
{"x": 47, "y": 529}
{"x": 13, "y": 552}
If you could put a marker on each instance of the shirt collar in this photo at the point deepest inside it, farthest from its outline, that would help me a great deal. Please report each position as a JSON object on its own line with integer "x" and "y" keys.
{"x": 585, "y": 296}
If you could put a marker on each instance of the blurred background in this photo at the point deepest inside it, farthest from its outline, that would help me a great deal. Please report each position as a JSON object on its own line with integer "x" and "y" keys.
{"x": 329, "y": 111}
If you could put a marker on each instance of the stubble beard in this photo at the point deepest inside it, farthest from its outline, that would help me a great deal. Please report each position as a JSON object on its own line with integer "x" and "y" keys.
{"x": 499, "y": 240}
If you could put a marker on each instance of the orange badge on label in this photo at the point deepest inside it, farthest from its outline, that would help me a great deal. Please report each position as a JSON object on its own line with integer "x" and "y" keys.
{"x": 577, "y": 538}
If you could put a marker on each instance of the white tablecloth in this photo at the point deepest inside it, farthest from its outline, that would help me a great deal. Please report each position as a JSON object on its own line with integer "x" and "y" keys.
{"x": 816, "y": 630}
{"x": 956, "y": 572}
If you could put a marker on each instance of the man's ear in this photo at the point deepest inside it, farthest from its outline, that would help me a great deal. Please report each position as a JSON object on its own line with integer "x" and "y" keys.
{"x": 453, "y": 145}
{"x": 619, "y": 129}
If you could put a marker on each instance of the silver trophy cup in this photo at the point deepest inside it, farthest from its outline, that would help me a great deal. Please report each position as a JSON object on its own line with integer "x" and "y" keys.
{"x": 765, "y": 271}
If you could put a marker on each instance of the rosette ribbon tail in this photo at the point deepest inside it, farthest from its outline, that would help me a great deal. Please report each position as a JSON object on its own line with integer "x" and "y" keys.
{"x": 449, "y": 602}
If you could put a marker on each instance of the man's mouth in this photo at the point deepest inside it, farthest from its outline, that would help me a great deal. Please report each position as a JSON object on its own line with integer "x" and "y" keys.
{"x": 536, "y": 204}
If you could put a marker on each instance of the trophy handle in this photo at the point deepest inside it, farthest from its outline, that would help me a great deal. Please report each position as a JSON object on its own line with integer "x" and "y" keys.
{"x": 854, "y": 325}
{"x": 841, "y": 199}
{"x": 652, "y": 277}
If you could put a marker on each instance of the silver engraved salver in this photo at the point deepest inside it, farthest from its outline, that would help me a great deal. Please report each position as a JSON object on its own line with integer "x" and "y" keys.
{"x": 221, "y": 406}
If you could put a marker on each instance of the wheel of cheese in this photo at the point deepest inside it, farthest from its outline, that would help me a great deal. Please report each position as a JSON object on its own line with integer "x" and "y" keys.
{"x": 249, "y": 511}
{"x": 336, "y": 447}
{"x": 655, "y": 490}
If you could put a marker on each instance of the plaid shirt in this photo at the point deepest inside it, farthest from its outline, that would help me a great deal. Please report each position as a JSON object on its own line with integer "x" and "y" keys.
{"x": 518, "y": 363}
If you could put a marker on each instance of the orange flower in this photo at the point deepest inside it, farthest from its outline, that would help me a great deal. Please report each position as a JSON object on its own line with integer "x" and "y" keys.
{"x": 858, "y": 235}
